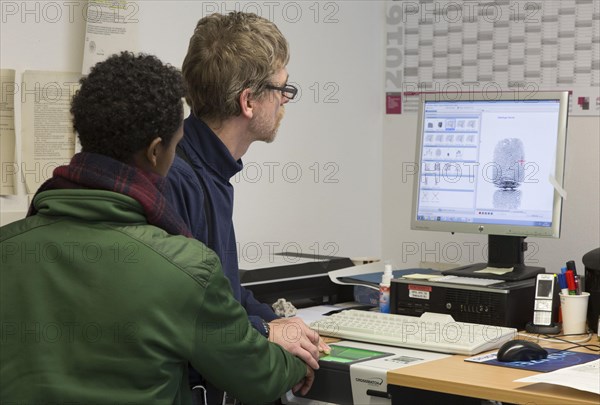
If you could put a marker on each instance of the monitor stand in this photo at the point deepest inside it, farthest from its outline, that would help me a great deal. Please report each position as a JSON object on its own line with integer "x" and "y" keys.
{"x": 503, "y": 252}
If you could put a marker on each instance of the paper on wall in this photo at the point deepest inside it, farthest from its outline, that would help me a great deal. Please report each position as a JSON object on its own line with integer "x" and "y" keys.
{"x": 9, "y": 167}
{"x": 111, "y": 27}
{"x": 47, "y": 135}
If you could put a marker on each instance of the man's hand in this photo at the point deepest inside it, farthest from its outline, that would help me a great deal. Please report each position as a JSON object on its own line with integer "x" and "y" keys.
{"x": 304, "y": 385}
{"x": 297, "y": 338}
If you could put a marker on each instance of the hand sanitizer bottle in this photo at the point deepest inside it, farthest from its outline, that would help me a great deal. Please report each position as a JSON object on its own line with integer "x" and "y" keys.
{"x": 384, "y": 289}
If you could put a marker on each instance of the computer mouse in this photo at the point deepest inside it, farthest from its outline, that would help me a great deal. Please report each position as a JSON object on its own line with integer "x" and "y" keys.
{"x": 520, "y": 350}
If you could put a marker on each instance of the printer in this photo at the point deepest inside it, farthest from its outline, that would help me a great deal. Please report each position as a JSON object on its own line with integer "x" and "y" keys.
{"x": 301, "y": 279}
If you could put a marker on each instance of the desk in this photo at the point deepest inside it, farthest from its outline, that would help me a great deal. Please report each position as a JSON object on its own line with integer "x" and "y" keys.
{"x": 455, "y": 376}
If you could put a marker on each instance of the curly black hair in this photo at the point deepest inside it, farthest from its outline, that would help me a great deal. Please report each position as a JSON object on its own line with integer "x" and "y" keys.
{"x": 125, "y": 102}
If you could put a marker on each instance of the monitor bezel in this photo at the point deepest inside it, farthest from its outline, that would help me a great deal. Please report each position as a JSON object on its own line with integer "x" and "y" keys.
{"x": 496, "y": 229}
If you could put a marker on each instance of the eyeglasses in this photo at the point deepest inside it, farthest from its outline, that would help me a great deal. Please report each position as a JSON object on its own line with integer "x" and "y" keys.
{"x": 288, "y": 91}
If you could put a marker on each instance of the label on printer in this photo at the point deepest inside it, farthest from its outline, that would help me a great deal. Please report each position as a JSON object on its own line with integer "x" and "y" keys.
{"x": 419, "y": 291}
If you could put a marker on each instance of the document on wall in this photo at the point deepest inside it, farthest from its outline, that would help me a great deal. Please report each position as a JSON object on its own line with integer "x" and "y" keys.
{"x": 112, "y": 27}
{"x": 8, "y": 167}
{"x": 48, "y": 139}
{"x": 583, "y": 377}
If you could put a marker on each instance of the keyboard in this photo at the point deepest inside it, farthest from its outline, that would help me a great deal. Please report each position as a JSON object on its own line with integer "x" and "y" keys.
{"x": 430, "y": 332}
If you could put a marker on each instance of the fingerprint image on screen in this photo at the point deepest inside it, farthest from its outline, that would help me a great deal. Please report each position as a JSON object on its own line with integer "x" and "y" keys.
{"x": 509, "y": 158}
{"x": 509, "y": 199}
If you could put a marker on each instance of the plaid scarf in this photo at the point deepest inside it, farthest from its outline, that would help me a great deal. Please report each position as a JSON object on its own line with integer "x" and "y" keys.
{"x": 94, "y": 171}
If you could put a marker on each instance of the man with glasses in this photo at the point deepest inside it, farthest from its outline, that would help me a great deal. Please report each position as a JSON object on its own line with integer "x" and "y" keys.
{"x": 236, "y": 76}
{"x": 288, "y": 91}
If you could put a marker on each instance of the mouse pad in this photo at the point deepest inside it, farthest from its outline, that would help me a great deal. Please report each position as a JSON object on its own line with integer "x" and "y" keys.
{"x": 556, "y": 359}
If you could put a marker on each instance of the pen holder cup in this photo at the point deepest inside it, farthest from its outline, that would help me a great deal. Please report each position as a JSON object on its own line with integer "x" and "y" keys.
{"x": 574, "y": 313}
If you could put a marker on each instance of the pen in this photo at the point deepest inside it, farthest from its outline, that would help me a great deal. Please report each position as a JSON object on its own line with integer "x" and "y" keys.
{"x": 571, "y": 266}
{"x": 562, "y": 282}
{"x": 577, "y": 285}
{"x": 571, "y": 282}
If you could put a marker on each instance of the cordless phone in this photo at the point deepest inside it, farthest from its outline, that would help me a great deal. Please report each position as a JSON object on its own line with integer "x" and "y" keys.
{"x": 545, "y": 306}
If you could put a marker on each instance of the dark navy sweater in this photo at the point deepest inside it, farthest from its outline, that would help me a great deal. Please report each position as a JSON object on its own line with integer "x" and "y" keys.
{"x": 213, "y": 162}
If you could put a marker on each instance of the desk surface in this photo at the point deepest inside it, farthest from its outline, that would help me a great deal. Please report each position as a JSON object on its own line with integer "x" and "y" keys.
{"x": 453, "y": 375}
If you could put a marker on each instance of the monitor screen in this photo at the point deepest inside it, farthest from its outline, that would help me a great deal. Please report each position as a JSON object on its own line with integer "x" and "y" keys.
{"x": 490, "y": 165}
{"x": 544, "y": 289}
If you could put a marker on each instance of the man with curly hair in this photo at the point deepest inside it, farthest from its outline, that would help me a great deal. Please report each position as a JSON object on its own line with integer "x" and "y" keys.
{"x": 236, "y": 76}
{"x": 105, "y": 296}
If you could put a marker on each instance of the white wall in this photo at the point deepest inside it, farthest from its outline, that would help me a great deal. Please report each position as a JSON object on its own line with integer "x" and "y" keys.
{"x": 357, "y": 202}
{"x": 317, "y": 188}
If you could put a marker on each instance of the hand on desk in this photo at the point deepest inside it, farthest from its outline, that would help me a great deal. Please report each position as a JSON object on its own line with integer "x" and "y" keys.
{"x": 297, "y": 338}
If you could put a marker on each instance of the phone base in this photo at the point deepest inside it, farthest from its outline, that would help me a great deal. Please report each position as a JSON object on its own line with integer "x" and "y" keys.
{"x": 553, "y": 329}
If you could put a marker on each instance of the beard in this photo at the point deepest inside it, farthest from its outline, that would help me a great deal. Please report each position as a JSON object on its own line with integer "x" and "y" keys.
{"x": 264, "y": 128}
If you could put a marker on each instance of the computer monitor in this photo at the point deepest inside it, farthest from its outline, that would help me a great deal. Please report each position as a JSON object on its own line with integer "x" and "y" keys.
{"x": 491, "y": 165}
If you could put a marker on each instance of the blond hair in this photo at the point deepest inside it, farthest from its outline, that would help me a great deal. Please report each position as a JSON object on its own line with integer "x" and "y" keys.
{"x": 227, "y": 54}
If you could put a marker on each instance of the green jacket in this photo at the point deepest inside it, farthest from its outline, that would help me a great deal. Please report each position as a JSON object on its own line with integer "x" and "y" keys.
{"x": 98, "y": 306}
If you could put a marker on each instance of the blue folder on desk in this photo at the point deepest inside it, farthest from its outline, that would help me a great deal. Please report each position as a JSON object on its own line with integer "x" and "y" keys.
{"x": 556, "y": 359}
